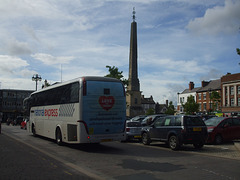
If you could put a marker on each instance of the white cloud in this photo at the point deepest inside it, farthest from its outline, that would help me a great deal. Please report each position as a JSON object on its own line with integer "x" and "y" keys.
{"x": 220, "y": 19}
{"x": 52, "y": 60}
{"x": 16, "y": 48}
{"x": 85, "y": 36}
{"x": 11, "y": 65}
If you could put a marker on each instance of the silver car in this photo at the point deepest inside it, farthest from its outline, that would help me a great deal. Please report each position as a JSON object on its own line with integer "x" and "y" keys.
{"x": 133, "y": 130}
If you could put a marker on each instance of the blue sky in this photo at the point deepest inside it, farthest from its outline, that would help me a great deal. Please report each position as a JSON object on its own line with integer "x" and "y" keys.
{"x": 178, "y": 41}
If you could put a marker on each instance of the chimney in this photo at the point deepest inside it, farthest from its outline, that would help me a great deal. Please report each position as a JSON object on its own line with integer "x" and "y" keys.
{"x": 191, "y": 85}
{"x": 204, "y": 83}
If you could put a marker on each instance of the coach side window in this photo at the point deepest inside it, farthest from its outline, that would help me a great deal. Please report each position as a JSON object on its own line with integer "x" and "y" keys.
{"x": 74, "y": 94}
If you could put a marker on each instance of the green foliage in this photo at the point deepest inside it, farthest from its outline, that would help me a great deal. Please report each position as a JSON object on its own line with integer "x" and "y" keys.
{"x": 150, "y": 111}
{"x": 238, "y": 51}
{"x": 215, "y": 99}
{"x": 115, "y": 73}
{"x": 170, "y": 109}
{"x": 190, "y": 107}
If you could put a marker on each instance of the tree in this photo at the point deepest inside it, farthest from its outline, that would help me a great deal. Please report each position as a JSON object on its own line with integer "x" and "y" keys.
{"x": 170, "y": 109}
{"x": 238, "y": 51}
{"x": 115, "y": 73}
{"x": 216, "y": 99}
{"x": 150, "y": 111}
{"x": 190, "y": 107}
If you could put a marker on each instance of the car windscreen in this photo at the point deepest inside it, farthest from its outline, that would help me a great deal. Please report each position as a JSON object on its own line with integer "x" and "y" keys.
{"x": 134, "y": 124}
{"x": 193, "y": 121}
{"x": 214, "y": 121}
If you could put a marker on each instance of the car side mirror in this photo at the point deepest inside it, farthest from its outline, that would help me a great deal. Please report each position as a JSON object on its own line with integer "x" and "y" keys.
{"x": 226, "y": 125}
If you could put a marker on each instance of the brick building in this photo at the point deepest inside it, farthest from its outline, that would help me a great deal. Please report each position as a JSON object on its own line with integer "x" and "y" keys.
{"x": 230, "y": 84}
{"x": 204, "y": 94}
{"x": 201, "y": 95}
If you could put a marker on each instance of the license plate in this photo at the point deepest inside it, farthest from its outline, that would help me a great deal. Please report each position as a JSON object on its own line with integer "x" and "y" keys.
{"x": 106, "y": 140}
{"x": 137, "y": 136}
{"x": 197, "y": 129}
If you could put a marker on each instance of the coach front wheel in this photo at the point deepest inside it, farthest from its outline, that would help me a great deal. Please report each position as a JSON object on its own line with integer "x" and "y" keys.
{"x": 59, "y": 137}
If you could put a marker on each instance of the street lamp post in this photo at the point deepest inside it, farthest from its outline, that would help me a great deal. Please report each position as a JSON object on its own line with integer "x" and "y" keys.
{"x": 36, "y": 78}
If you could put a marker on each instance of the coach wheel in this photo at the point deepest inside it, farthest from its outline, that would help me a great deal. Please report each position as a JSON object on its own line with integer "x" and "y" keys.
{"x": 33, "y": 130}
{"x": 59, "y": 137}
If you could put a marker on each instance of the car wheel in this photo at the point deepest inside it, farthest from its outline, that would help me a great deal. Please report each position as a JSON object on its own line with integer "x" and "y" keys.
{"x": 173, "y": 142}
{"x": 59, "y": 137}
{"x": 198, "y": 145}
{"x": 34, "y": 130}
{"x": 218, "y": 139}
{"x": 145, "y": 139}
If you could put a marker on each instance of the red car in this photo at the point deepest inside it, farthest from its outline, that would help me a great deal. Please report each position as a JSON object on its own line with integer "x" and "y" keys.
{"x": 24, "y": 124}
{"x": 222, "y": 129}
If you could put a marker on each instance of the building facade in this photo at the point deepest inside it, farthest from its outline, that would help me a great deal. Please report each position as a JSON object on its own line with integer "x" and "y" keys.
{"x": 201, "y": 96}
{"x": 11, "y": 102}
{"x": 206, "y": 103}
{"x": 147, "y": 103}
{"x": 182, "y": 97}
{"x": 230, "y": 85}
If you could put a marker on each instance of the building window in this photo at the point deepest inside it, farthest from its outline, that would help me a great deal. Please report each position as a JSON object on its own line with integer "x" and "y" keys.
{"x": 182, "y": 100}
{"x": 226, "y": 91}
{"x": 181, "y": 109}
{"x": 200, "y": 107}
{"x": 238, "y": 101}
{"x": 238, "y": 89}
{"x": 211, "y": 105}
{"x": 204, "y": 106}
{"x": 232, "y": 102}
{"x": 210, "y": 94}
{"x": 232, "y": 90}
{"x": 136, "y": 100}
{"x": 199, "y": 96}
{"x": 204, "y": 96}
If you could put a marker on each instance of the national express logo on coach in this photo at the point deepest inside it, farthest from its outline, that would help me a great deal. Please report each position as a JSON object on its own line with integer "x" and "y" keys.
{"x": 66, "y": 110}
{"x": 46, "y": 112}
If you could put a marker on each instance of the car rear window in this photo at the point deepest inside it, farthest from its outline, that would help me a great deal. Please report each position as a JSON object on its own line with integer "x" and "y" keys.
{"x": 134, "y": 124}
{"x": 193, "y": 121}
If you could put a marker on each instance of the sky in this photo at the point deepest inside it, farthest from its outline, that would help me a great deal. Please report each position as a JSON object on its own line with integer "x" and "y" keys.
{"x": 178, "y": 41}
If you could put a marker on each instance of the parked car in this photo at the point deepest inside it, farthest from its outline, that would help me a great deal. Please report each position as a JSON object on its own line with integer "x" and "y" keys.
{"x": 133, "y": 130}
{"x": 206, "y": 117}
{"x": 24, "y": 123}
{"x": 176, "y": 130}
{"x": 150, "y": 119}
{"x": 17, "y": 121}
{"x": 222, "y": 129}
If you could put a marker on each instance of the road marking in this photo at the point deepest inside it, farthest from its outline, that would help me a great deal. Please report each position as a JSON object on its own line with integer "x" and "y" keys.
{"x": 68, "y": 173}
{"x": 90, "y": 173}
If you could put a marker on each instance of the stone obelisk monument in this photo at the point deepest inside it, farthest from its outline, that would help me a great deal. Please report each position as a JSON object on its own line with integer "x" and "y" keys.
{"x": 133, "y": 95}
